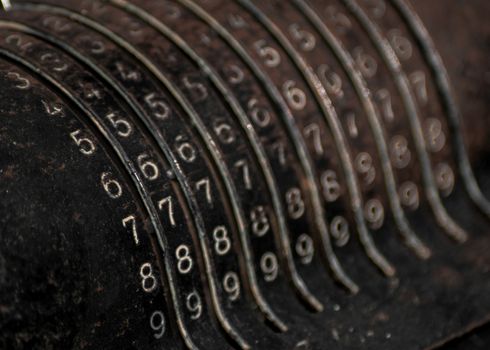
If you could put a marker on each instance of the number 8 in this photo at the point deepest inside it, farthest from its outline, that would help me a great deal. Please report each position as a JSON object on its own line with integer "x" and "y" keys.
{"x": 184, "y": 264}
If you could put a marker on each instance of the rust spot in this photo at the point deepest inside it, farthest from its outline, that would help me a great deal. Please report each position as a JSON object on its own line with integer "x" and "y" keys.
{"x": 8, "y": 172}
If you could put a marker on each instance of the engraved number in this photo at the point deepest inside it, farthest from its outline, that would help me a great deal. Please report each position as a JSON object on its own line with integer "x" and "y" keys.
{"x": 305, "y": 248}
{"x": 296, "y": 205}
{"x": 222, "y": 244}
{"x": 167, "y": 201}
{"x": 339, "y": 230}
{"x": 147, "y": 167}
{"x": 85, "y": 145}
{"x": 111, "y": 186}
{"x": 295, "y": 97}
{"x": 260, "y": 222}
{"x": 194, "y": 305}
{"x": 269, "y": 266}
{"x": 231, "y": 285}
{"x": 157, "y": 323}
{"x": 207, "y": 189}
{"x": 242, "y": 164}
{"x": 270, "y": 55}
{"x": 313, "y": 131}
{"x": 122, "y": 126}
{"x": 184, "y": 261}
{"x": 306, "y": 39}
{"x": 131, "y": 220}
{"x": 160, "y": 108}
{"x": 331, "y": 187}
{"x": 148, "y": 279}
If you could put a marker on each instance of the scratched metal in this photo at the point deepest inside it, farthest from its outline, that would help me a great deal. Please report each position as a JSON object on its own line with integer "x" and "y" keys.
{"x": 244, "y": 174}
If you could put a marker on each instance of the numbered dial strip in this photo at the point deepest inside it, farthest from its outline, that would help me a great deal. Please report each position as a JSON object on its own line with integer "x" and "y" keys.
{"x": 434, "y": 122}
{"x": 182, "y": 248}
{"x": 404, "y": 161}
{"x": 374, "y": 209}
{"x": 220, "y": 244}
{"x": 330, "y": 171}
{"x": 245, "y": 165}
{"x": 440, "y": 75}
{"x": 123, "y": 262}
{"x": 239, "y": 162}
{"x": 262, "y": 264}
{"x": 296, "y": 137}
{"x": 363, "y": 125}
{"x": 283, "y": 159}
{"x": 234, "y": 153}
{"x": 386, "y": 60}
{"x": 301, "y": 41}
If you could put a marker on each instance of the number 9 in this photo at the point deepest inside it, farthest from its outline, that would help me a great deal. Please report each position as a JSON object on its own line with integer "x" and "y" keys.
{"x": 157, "y": 323}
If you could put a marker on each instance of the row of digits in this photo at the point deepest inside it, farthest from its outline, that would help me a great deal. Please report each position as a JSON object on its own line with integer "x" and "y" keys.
{"x": 262, "y": 159}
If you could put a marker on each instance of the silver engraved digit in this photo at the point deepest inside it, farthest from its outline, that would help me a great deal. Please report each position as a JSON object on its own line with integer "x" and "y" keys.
{"x": 243, "y": 165}
{"x": 122, "y": 126}
{"x": 148, "y": 279}
{"x": 420, "y": 86}
{"x": 168, "y": 203}
{"x": 341, "y": 22}
{"x": 160, "y": 108}
{"x": 305, "y": 249}
{"x": 269, "y": 266}
{"x": 331, "y": 81}
{"x": 296, "y": 205}
{"x": 366, "y": 63}
{"x": 111, "y": 186}
{"x": 307, "y": 40}
{"x": 270, "y": 55}
{"x": 86, "y": 145}
{"x": 295, "y": 97}
{"x": 148, "y": 167}
{"x": 364, "y": 166}
{"x": 225, "y": 132}
{"x": 185, "y": 150}
{"x": 157, "y": 323}
{"x": 234, "y": 73}
{"x": 131, "y": 221}
{"x": 384, "y": 98}
{"x": 184, "y": 261}
{"x": 53, "y": 109}
{"x": 434, "y": 135}
{"x": 409, "y": 195}
{"x": 194, "y": 305}
{"x": 339, "y": 230}
{"x": 260, "y": 115}
{"x": 313, "y": 131}
{"x": 198, "y": 90}
{"x": 444, "y": 178}
{"x": 22, "y": 82}
{"x": 399, "y": 152}
{"x": 331, "y": 187}
{"x": 231, "y": 285}
{"x": 401, "y": 45}
{"x": 204, "y": 183}
{"x": 58, "y": 65}
{"x": 374, "y": 213}
{"x": 260, "y": 222}
{"x": 222, "y": 243}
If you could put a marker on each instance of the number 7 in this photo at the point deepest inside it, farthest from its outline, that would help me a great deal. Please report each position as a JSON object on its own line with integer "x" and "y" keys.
{"x": 168, "y": 202}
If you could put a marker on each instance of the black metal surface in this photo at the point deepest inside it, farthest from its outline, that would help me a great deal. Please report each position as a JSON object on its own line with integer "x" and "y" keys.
{"x": 236, "y": 174}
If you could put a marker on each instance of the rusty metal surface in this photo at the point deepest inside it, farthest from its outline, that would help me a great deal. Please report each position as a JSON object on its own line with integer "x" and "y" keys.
{"x": 244, "y": 174}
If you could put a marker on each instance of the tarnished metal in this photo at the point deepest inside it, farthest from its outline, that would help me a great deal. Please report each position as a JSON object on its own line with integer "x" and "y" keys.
{"x": 244, "y": 174}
